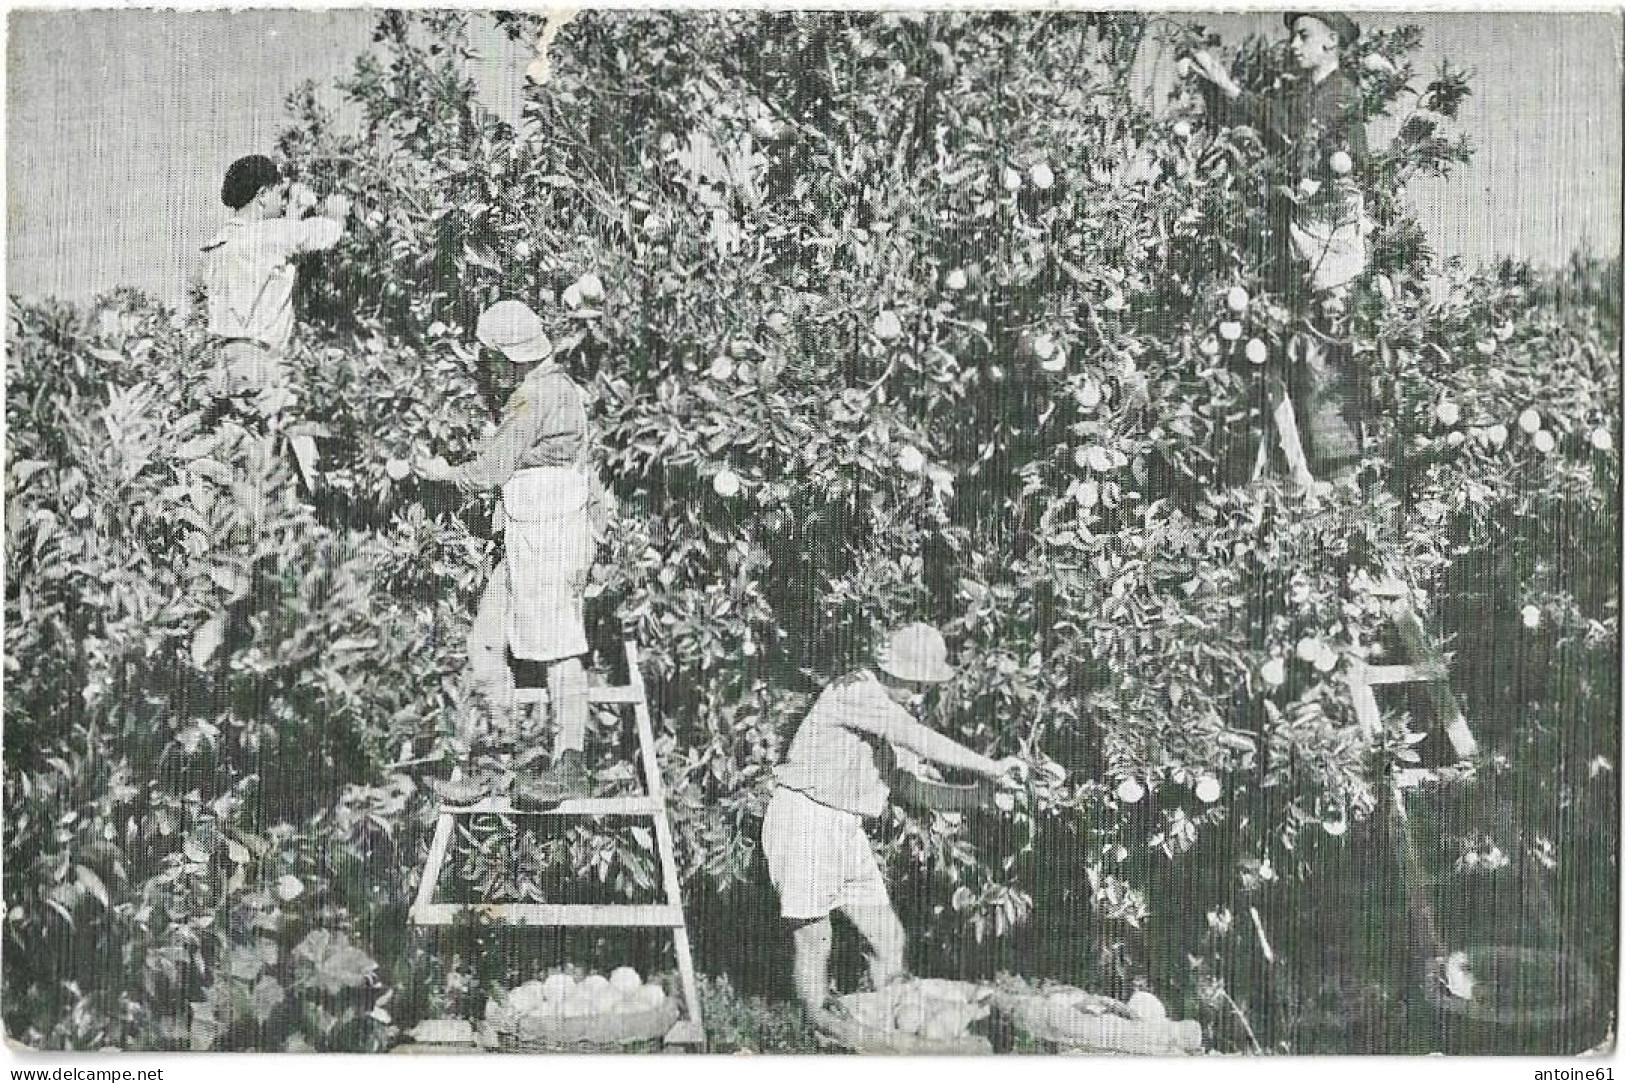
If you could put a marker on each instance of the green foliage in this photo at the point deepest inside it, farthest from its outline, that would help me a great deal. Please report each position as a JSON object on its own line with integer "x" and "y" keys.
{"x": 840, "y": 255}
{"x": 739, "y": 1024}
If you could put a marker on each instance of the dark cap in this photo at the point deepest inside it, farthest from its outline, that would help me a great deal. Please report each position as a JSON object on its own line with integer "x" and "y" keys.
{"x": 247, "y": 178}
{"x": 1346, "y": 29}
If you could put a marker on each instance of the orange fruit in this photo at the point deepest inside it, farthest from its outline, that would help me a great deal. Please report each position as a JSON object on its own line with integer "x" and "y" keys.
{"x": 726, "y": 483}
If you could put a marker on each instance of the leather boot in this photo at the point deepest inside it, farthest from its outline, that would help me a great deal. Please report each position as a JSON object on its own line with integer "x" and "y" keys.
{"x": 566, "y": 779}
{"x": 459, "y": 792}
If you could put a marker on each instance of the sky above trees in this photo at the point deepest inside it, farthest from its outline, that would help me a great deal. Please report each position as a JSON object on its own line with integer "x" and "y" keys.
{"x": 120, "y": 124}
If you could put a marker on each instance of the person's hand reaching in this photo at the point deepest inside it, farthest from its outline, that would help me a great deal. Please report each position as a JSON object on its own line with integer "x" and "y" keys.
{"x": 1214, "y": 72}
{"x": 434, "y": 469}
{"x": 1012, "y": 769}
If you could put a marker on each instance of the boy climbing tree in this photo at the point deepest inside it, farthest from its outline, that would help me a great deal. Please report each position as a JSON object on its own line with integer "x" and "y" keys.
{"x": 249, "y": 276}
{"x": 1316, "y": 123}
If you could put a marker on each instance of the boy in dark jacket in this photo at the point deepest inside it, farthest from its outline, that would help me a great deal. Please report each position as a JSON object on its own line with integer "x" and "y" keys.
{"x": 1317, "y": 122}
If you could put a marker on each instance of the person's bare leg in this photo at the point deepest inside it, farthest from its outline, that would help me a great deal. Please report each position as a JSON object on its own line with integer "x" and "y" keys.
{"x": 813, "y": 940}
{"x": 567, "y": 778}
{"x": 887, "y": 939}
{"x": 489, "y": 674}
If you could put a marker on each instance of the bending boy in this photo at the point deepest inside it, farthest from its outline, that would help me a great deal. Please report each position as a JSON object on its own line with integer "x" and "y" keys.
{"x": 833, "y": 779}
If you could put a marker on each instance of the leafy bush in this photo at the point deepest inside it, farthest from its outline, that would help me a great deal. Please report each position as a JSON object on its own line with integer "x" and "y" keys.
{"x": 898, "y": 321}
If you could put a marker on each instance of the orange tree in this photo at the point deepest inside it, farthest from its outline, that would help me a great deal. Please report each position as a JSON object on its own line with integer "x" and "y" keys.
{"x": 885, "y": 317}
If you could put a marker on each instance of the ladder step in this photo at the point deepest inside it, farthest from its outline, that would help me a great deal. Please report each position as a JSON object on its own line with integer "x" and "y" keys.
{"x": 1390, "y": 588}
{"x": 685, "y": 1032}
{"x": 444, "y": 1032}
{"x": 604, "y": 693}
{"x": 1412, "y": 674}
{"x": 581, "y": 806}
{"x": 614, "y": 693}
{"x": 647, "y": 915}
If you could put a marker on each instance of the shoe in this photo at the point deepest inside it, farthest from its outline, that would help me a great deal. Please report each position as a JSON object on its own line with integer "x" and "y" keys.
{"x": 566, "y": 779}
{"x": 458, "y": 792}
{"x": 834, "y": 1026}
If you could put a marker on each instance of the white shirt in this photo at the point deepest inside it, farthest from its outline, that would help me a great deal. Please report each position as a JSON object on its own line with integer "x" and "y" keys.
{"x": 838, "y": 757}
{"x": 249, "y": 274}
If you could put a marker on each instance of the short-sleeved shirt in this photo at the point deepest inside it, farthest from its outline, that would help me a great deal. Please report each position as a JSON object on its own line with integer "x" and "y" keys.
{"x": 249, "y": 275}
{"x": 835, "y": 758}
{"x": 544, "y": 423}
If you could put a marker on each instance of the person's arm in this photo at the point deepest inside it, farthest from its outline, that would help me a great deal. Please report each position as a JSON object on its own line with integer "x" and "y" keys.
{"x": 500, "y": 453}
{"x": 1229, "y": 104}
{"x": 869, "y": 710}
{"x": 319, "y": 232}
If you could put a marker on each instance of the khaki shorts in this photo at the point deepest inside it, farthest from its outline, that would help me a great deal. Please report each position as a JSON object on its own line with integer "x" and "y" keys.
{"x": 252, "y": 370}
{"x": 819, "y": 858}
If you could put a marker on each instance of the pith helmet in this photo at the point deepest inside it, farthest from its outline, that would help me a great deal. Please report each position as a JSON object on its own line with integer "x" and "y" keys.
{"x": 916, "y": 653}
{"x": 513, "y": 328}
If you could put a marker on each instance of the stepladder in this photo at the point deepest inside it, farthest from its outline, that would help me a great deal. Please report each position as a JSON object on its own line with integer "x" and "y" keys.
{"x": 649, "y": 806}
{"x": 1477, "y": 895}
{"x": 1480, "y": 911}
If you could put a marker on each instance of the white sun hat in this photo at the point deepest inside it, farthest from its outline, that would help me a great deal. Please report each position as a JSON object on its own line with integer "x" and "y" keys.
{"x": 916, "y": 653}
{"x": 510, "y": 326}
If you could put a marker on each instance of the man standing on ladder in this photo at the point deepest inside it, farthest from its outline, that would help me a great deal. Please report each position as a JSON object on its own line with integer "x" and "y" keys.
{"x": 1318, "y": 123}
{"x": 249, "y": 276}
{"x": 555, "y": 511}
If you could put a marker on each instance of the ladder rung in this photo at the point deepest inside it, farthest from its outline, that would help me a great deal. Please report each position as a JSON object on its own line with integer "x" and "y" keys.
{"x": 1410, "y": 777}
{"x": 685, "y": 1032}
{"x": 614, "y": 693}
{"x": 1412, "y": 674}
{"x": 647, "y": 915}
{"x": 605, "y": 693}
{"x": 1390, "y": 588}
{"x": 581, "y": 806}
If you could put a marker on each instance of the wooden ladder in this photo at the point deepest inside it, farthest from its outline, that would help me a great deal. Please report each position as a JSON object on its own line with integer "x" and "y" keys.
{"x": 1427, "y": 667}
{"x": 668, "y": 914}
